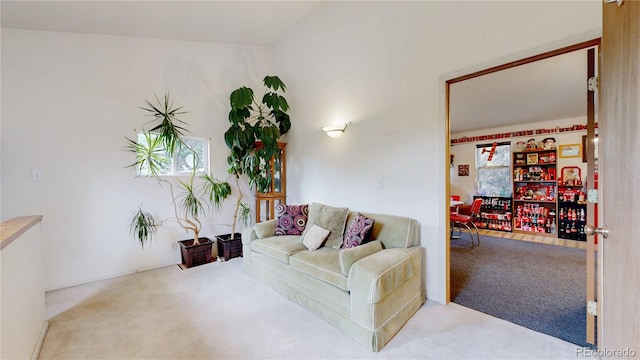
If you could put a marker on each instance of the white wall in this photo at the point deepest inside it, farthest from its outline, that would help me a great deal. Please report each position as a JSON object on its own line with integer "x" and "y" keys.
{"x": 465, "y": 152}
{"x": 68, "y": 100}
{"x": 22, "y": 296}
{"x": 382, "y": 66}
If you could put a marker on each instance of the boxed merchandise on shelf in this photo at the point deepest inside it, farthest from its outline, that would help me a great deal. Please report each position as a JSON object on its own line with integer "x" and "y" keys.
{"x": 535, "y": 217}
{"x": 534, "y": 191}
{"x": 495, "y": 213}
{"x": 572, "y": 212}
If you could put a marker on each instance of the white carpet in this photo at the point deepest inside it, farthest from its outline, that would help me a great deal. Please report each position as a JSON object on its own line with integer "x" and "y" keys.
{"x": 214, "y": 311}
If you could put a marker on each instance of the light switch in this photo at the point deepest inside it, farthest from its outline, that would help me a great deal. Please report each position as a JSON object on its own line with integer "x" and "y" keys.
{"x": 36, "y": 175}
{"x": 380, "y": 183}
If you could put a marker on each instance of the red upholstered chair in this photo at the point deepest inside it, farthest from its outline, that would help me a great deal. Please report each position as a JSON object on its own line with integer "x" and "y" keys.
{"x": 458, "y": 220}
{"x": 464, "y": 209}
{"x": 454, "y": 198}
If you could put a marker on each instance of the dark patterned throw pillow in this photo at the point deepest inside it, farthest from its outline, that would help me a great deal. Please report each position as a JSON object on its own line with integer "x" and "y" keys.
{"x": 358, "y": 231}
{"x": 292, "y": 219}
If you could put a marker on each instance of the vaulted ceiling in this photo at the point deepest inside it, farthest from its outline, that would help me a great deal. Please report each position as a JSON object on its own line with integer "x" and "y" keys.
{"x": 244, "y": 22}
{"x": 545, "y": 90}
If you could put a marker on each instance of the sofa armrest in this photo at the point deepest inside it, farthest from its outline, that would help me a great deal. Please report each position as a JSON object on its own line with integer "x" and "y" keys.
{"x": 378, "y": 275}
{"x": 248, "y": 235}
{"x": 260, "y": 230}
{"x": 266, "y": 229}
{"x": 350, "y": 256}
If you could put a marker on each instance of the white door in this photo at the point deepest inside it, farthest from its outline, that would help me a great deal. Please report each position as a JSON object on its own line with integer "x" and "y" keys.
{"x": 619, "y": 149}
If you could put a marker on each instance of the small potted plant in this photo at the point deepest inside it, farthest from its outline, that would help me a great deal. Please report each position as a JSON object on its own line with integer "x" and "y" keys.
{"x": 253, "y": 122}
{"x": 191, "y": 195}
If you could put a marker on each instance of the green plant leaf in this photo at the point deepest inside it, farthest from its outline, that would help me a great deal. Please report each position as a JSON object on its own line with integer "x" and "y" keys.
{"x": 271, "y": 100}
{"x": 142, "y": 225}
{"x": 190, "y": 202}
{"x": 235, "y": 166}
{"x": 282, "y": 103}
{"x": 269, "y": 136}
{"x": 274, "y": 82}
{"x": 245, "y": 213}
{"x": 216, "y": 190}
{"x": 151, "y": 155}
{"x": 238, "y": 116}
{"x": 241, "y": 97}
{"x": 167, "y": 129}
{"x": 258, "y": 124}
{"x": 231, "y": 135}
{"x": 283, "y": 121}
{"x": 246, "y": 137}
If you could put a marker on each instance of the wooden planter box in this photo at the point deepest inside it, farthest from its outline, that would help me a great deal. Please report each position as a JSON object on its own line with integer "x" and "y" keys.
{"x": 194, "y": 255}
{"x": 229, "y": 248}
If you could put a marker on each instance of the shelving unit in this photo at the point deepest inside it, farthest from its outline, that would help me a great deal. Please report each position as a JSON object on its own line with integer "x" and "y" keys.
{"x": 535, "y": 192}
{"x": 495, "y": 213}
{"x": 266, "y": 202}
{"x": 572, "y": 212}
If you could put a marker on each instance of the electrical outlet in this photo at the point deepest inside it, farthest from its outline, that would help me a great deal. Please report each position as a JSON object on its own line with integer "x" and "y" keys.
{"x": 174, "y": 246}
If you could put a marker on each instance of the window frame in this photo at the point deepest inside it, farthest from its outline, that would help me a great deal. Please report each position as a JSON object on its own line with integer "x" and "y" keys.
{"x": 507, "y": 167}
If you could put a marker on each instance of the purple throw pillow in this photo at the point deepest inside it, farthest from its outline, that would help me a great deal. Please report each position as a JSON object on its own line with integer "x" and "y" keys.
{"x": 358, "y": 231}
{"x": 292, "y": 219}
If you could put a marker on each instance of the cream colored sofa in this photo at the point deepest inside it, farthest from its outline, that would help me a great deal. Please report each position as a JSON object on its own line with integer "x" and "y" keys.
{"x": 369, "y": 292}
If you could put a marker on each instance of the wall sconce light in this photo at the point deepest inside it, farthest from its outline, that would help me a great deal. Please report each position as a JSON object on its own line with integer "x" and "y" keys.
{"x": 335, "y": 130}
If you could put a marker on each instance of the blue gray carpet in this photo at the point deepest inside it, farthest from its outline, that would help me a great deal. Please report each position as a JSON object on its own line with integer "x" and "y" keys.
{"x": 538, "y": 286}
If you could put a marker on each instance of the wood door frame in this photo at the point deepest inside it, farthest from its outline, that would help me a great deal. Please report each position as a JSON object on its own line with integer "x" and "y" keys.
{"x": 545, "y": 55}
{"x": 593, "y": 56}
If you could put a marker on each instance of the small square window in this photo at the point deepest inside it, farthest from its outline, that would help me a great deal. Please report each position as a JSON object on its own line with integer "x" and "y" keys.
{"x": 192, "y": 152}
{"x": 494, "y": 176}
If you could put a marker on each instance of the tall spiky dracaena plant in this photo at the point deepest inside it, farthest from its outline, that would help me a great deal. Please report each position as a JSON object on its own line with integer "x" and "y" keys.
{"x": 196, "y": 194}
{"x": 253, "y": 121}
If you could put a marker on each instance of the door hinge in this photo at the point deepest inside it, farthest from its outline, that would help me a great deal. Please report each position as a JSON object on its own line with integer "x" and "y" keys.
{"x": 619, "y": 2}
{"x": 592, "y": 83}
{"x": 592, "y": 308}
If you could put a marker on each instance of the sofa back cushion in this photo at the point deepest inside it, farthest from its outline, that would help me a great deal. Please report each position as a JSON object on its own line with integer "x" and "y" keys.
{"x": 393, "y": 231}
{"x": 330, "y": 218}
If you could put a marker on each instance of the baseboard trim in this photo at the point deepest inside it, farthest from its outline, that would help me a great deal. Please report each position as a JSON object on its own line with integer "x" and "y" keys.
{"x": 108, "y": 277}
{"x": 43, "y": 333}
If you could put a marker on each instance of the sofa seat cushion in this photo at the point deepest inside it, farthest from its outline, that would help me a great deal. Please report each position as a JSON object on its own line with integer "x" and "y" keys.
{"x": 322, "y": 264}
{"x": 279, "y": 247}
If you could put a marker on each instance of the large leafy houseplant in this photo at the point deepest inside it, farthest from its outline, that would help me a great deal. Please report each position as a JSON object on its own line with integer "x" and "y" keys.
{"x": 192, "y": 195}
{"x": 252, "y": 121}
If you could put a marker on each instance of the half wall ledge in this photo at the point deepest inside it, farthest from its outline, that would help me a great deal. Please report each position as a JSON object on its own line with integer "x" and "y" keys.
{"x": 13, "y": 228}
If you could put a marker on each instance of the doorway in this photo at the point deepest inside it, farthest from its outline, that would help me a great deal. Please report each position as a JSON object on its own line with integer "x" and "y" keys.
{"x": 508, "y": 125}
